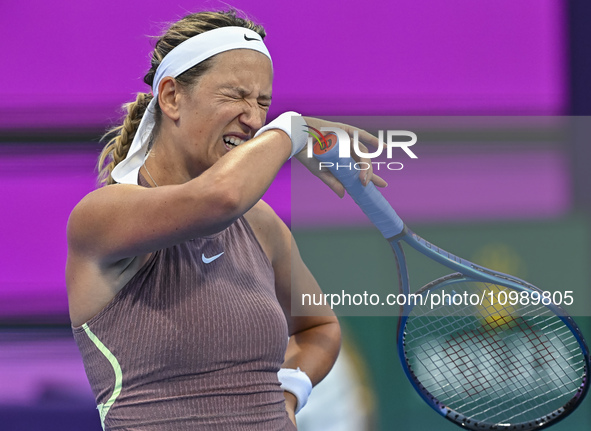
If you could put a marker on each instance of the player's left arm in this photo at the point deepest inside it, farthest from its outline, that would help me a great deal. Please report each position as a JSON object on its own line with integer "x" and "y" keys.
{"x": 315, "y": 339}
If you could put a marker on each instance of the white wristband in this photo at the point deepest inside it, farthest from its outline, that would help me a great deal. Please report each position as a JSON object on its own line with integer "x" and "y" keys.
{"x": 296, "y": 382}
{"x": 297, "y": 133}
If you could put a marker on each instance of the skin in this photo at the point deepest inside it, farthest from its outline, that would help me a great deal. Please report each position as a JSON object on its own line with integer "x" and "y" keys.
{"x": 204, "y": 185}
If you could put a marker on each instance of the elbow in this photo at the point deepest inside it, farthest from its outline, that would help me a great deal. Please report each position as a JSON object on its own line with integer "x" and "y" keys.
{"x": 332, "y": 330}
{"x": 226, "y": 202}
{"x": 336, "y": 334}
{"x": 229, "y": 202}
{"x": 216, "y": 199}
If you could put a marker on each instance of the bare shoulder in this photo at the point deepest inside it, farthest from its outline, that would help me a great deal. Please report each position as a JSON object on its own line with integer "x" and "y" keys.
{"x": 270, "y": 230}
{"x": 90, "y": 215}
{"x": 92, "y": 281}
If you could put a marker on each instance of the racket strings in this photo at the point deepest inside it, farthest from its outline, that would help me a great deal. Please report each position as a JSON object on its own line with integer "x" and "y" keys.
{"x": 503, "y": 359}
{"x": 494, "y": 364}
{"x": 497, "y": 403}
{"x": 520, "y": 407}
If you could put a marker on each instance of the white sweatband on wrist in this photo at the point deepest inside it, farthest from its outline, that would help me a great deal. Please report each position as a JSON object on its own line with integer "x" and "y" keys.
{"x": 296, "y": 382}
{"x": 297, "y": 133}
{"x": 180, "y": 59}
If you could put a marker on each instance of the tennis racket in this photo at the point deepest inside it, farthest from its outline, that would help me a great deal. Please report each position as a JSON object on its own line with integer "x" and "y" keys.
{"x": 495, "y": 353}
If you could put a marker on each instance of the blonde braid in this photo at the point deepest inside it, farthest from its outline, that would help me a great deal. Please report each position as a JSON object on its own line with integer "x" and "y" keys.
{"x": 116, "y": 149}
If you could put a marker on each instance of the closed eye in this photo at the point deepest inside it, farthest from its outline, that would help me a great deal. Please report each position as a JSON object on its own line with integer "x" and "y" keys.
{"x": 235, "y": 93}
{"x": 264, "y": 101}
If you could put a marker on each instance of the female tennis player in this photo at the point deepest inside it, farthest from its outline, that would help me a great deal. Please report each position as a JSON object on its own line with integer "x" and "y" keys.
{"x": 179, "y": 277}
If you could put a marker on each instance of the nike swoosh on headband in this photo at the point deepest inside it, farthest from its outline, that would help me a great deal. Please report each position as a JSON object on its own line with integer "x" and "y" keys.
{"x": 251, "y": 38}
{"x": 210, "y": 259}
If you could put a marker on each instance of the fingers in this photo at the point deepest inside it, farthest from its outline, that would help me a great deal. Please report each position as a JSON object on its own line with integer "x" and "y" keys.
{"x": 368, "y": 175}
{"x": 365, "y": 175}
{"x": 332, "y": 183}
{"x": 379, "y": 181}
{"x": 367, "y": 138}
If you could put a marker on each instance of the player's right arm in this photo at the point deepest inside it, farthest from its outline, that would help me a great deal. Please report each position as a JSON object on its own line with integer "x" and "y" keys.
{"x": 122, "y": 221}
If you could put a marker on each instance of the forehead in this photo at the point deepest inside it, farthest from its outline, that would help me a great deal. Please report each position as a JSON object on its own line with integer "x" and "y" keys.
{"x": 241, "y": 67}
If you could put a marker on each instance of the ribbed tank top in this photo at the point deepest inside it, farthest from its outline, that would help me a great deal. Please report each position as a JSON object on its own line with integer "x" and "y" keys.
{"x": 190, "y": 345}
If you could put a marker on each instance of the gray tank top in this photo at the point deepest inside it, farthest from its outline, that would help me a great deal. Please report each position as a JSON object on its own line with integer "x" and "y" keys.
{"x": 193, "y": 341}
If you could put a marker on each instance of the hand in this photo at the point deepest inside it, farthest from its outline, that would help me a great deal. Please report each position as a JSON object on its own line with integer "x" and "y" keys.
{"x": 324, "y": 174}
{"x": 290, "y": 405}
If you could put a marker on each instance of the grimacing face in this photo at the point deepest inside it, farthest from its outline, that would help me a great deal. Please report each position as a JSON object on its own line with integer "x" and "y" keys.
{"x": 226, "y": 106}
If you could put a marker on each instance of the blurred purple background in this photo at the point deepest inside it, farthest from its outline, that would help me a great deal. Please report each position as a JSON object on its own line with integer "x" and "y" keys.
{"x": 71, "y": 65}
{"x": 74, "y": 63}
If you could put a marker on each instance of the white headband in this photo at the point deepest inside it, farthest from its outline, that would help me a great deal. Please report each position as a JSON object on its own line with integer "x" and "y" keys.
{"x": 183, "y": 57}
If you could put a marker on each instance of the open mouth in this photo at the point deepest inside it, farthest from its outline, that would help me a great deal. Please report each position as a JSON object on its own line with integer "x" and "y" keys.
{"x": 232, "y": 141}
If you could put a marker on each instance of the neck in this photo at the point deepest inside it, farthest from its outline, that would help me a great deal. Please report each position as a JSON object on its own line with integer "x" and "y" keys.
{"x": 165, "y": 167}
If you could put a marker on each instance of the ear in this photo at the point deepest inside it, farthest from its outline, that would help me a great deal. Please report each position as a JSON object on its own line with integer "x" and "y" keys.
{"x": 168, "y": 95}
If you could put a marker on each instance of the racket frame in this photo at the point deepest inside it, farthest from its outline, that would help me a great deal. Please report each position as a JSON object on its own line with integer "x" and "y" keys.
{"x": 469, "y": 271}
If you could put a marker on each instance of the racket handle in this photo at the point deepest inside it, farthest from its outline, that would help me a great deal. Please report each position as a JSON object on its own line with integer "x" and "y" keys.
{"x": 368, "y": 198}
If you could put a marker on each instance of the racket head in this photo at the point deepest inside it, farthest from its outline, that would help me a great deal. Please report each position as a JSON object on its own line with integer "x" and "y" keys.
{"x": 486, "y": 366}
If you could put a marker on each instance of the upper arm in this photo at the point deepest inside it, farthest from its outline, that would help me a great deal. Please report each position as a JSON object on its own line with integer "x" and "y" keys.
{"x": 121, "y": 221}
{"x": 292, "y": 276}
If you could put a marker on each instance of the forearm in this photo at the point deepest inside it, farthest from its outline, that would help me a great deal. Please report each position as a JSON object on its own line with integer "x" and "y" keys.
{"x": 314, "y": 350}
{"x": 248, "y": 170}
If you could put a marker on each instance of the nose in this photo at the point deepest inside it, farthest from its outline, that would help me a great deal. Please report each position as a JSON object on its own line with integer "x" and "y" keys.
{"x": 253, "y": 116}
